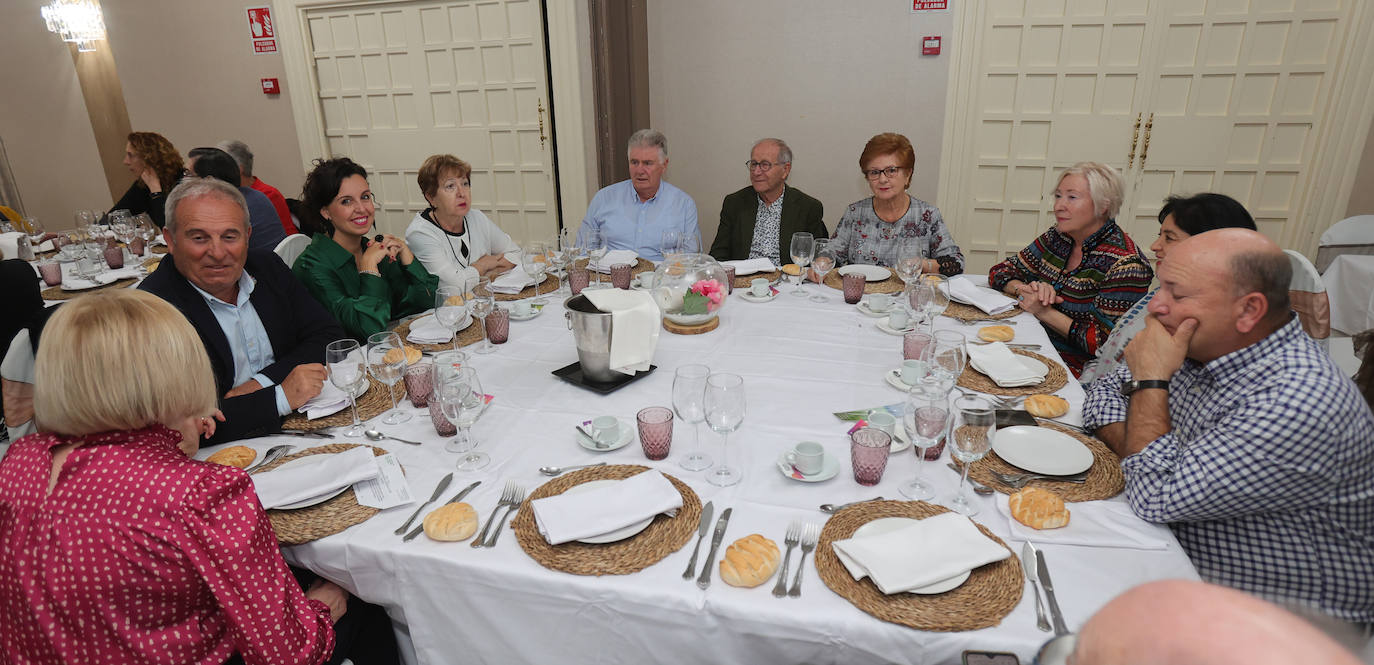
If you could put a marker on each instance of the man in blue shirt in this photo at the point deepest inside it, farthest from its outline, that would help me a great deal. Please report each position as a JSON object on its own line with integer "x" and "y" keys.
{"x": 635, "y": 213}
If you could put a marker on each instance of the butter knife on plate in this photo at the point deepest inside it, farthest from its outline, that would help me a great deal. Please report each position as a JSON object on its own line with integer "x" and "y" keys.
{"x": 707, "y": 511}
{"x": 1043, "y": 572}
{"x": 459, "y": 497}
{"x": 704, "y": 580}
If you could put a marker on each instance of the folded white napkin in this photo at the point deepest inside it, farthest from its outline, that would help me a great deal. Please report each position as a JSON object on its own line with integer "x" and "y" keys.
{"x": 634, "y": 326}
{"x": 575, "y": 515}
{"x": 116, "y": 275}
{"x": 1002, "y": 366}
{"x": 613, "y": 257}
{"x": 751, "y": 266}
{"x": 962, "y": 289}
{"x": 427, "y": 330}
{"x": 1094, "y": 524}
{"x": 9, "y": 244}
{"x": 321, "y": 474}
{"x": 331, "y": 400}
{"x": 927, "y": 551}
{"x": 45, "y": 246}
{"x": 513, "y": 281}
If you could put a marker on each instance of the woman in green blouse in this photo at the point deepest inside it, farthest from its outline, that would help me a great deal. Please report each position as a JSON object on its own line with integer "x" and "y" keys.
{"x": 364, "y": 282}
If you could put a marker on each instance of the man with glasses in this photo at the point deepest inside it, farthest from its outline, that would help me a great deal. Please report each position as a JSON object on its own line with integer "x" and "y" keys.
{"x": 755, "y": 221}
{"x": 637, "y": 213}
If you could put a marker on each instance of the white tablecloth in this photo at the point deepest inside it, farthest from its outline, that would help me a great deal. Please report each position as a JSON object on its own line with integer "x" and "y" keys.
{"x": 1350, "y": 287}
{"x": 801, "y": 361}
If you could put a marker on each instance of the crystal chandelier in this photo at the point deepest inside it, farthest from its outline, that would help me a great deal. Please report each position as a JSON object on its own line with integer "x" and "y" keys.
{"x": 78, "y": 21}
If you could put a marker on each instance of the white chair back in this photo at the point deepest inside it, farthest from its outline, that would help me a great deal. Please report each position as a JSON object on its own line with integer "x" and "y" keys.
{"x": 291, "y": 247}
{"x": 1308, "y": 295}
{"x": 1352, "y": 235}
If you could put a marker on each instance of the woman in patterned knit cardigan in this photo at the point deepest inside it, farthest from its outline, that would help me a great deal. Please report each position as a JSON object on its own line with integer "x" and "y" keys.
{"x": 1080, "y": 276}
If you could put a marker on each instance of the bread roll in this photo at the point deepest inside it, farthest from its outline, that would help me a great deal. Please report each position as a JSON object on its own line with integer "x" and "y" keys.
{"x": 452, "y": 521}
{"x": 413, "y": 355}
{"x": 1038, "y": 508}
{"x": 1047, "y": 406}
{"x": 238, "y": 456}
{"x": 749, "y": 561}
{"x": 997, "y": 333}
{"x": 792, "y": 269}
{"x": 456, "y": 300}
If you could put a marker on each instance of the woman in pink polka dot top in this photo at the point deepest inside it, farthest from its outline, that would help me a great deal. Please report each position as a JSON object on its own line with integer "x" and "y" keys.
{"x": 115, "y": 546}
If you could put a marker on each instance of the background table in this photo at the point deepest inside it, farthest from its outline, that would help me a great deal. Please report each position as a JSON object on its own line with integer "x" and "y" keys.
{"x": 801, "y": 362}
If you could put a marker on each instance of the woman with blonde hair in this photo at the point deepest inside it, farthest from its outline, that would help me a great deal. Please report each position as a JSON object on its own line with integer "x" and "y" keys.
{"x": 157, "y": 168}
{"x": 1082, "y": 274}
{"x": 114, "y": 545}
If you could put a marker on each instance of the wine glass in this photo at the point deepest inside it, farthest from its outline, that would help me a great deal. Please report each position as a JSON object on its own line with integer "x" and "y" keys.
{"x": 822, "y": 263}
{"x": 346, "y": 372}
{"x": 671, "y": 243}
{"x": 461, "y": 399}
{"x": 36, "y": 232}
{"x": 724, "y": 401}
{"x": 483, "y": 301}
{"x": 386, "y": 359}
{"x": 803, "y": 245}
{"x": 596, "y": 249}
{"x": 910, "y": 259}
{"x": 939, "y": 296}
{"x": 689, "y": 394}
{"x": 574, "y": 251}
{"x": 925, "y": 419}
{"x": 124, "y": 232}
{"x": 450, "y": 306}
{"x": 972, "y": 439}
{"x": 948, "y": 357}
{"x": 534, "y": 260}
{"x": 558, "y": 261}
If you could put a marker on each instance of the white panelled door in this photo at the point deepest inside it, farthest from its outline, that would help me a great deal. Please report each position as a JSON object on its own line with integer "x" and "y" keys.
{"x": 398, "y": 82}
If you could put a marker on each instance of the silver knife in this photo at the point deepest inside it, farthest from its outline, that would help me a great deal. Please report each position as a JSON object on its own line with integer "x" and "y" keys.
{"x": 311, "y": 435}
{"x": 1044, "y": 573}
{"x": 438, "y": 490}
{"x": 416, "y": 531}
{"x": 705, "y": 579}
{"x": 1027, "y": 564}
{"x": 707, "y": 512}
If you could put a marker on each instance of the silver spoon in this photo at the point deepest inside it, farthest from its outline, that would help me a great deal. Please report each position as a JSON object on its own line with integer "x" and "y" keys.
{"x": 555, "y": 470}
{"x": 589, "y": 436}
{"x": 832, "y": 508}
{"x": 378, "y": 436}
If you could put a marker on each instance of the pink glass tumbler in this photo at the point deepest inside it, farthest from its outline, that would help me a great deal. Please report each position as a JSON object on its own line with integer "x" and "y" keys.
{"x": 498, "y": 325}
{"x": 419, "y": 383}
{"x": 868, "y": 451}
{"x": 620, "y": 275}
{"x": 51, "y": 272}
{"x": 853, "y": 287}
{"x": 578, "y": 279}
{"x": 915, "y": 343}
{"x": 655, "y": 431}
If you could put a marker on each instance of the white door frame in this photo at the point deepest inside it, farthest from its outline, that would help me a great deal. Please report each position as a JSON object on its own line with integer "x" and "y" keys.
{"x": 565, "y": 78}
{"x": 1339, "y": 147}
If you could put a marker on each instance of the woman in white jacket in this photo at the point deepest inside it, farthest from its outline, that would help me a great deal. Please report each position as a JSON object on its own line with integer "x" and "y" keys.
{"x": 454, "y": 241}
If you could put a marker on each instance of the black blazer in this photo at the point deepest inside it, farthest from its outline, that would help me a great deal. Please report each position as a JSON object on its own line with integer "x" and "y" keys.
{"x": 738, "y": 211}
{"x": 297, "y": 325}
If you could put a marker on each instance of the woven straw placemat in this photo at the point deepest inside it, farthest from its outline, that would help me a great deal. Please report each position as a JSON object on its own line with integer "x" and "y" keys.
{"x": 641, "y": 265}
{"x": 892, "y": 284}
{"x": 469, "y": 335}
{"x": 661, "y": 538}
{"x": 1104, "y": 479}
{"x": 743, "y": 281}
{"x": 1056, "y": 379}
{"x": 56, "y": 292}
{"x": 989, "y": 594}
{"x": 371, "y": 404}
{"x": 327, "y": 518}
{"x": 159, "y": 249}
{"x": 962, "y": 312}
{"x": 545, "y": 289}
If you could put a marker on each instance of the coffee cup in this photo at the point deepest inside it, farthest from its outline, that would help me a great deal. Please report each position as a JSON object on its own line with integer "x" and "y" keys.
{"x": 882, "y": 420}
{"x": 879, "y": 302}
{"x": 808, "y": 457}
{"x": 758, "y": 287}
{"x": 898, "y": 318}
{"x": 605, "y": 430}
{"x": 913, "y": 371}
{"x": 521, "y": 308}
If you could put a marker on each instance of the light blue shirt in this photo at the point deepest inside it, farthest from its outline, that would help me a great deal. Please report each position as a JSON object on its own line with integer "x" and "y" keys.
{"x": 639, "y": 225}
{"x": 248, "y": 341}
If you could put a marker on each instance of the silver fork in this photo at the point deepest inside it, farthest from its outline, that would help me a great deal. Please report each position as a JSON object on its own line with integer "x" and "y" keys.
{"x": 1019, "y": 480}
{"x": 810, "y": 535}
{"x": 514, "y": 506}
{"x": 793, "y": 537}
{"x": 997, "y": 401}
{"x": 273, "y": 454}
{"x": 507, "y": 493}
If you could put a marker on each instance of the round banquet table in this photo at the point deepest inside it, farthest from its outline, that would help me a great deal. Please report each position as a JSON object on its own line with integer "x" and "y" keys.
{"x": 801, "y": 361}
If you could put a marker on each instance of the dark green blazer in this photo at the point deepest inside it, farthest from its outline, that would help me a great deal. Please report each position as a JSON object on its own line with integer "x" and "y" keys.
{"x": 735, "y": 234}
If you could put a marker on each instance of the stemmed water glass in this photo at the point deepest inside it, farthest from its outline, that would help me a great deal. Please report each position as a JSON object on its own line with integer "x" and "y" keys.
{"x": 558, "y": 261}
{"x": 689, "y": 395}
{"x": 801, "y": 250}
{"x": 822, "y": 263}
{"x": 461, "y": 399}
{"x": 596, "y": 249}
{"x": 573, "y": 251}
{"x": 910, "y": 259}
{"x": 534, "y": 260}
{"x": 724, "y": 401}
{"x": 483, "y": 301}
{"x": 948, "y": 358}
{"x": 939, "y": 296}
{"x": 971, "y": 440}
{"x": 346, "y": 371}
{"x": 450, "y": 306}
{"x": 386, "y": 359}
{"x": 671, "y": 243}
{"x": 925, "y": 419}
{"x": 35, "y": 230}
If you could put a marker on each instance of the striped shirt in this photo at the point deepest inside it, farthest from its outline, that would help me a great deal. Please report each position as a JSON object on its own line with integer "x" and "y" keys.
{"x": 1112, "y": 276}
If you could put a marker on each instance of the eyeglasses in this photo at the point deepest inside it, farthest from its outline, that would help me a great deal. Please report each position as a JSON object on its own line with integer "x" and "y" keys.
{"x": 762, "y": 166}
{"x": 891, "y": 172}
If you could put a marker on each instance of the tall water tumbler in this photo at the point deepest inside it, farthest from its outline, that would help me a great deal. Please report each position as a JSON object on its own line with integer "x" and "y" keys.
{"x": 655, "y": 431}
{"x": 868, "y": 451}
{"x": 853, "y": 287}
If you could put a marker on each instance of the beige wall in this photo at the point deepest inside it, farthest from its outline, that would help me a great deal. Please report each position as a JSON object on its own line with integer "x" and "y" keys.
{"x": 1362, "y": 197}
{"x": 825, "y": 77}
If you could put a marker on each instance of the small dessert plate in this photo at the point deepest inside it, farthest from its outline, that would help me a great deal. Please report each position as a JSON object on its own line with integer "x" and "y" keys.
{"x": 627, "y": 434}
{"x": 745, "y": 294}
{"x": 867, "y": 310}
{"x": 885, "y": 326}
{"x": 535, "y": 310}
{"x": 830, "y": 467}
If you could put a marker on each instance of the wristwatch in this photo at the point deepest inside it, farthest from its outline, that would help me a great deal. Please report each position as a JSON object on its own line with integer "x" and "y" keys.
{"x": 1130, "y": 387}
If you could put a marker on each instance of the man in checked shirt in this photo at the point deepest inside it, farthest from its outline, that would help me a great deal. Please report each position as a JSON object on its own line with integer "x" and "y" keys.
{"x": 1240, "y": 433}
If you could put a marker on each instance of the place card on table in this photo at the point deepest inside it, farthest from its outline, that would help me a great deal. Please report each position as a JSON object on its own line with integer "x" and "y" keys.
{"x": 388, "y": 489}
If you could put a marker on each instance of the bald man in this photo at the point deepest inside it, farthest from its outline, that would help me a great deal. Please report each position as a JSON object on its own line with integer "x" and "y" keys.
{"x": 1241, "y": 434}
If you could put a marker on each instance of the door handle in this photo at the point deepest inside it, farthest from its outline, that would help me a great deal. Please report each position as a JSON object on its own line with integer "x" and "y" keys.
{"x": 542, "y": 137}
{"x": 1135, "y": 137}
{"x": 1145, "y": 147}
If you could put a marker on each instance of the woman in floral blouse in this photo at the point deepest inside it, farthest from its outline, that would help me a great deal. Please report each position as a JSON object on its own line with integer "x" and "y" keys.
{"x": 872, "y": 230}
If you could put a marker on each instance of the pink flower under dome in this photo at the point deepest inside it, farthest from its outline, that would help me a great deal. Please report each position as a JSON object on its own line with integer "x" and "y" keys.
{"x": 712, "y": 290}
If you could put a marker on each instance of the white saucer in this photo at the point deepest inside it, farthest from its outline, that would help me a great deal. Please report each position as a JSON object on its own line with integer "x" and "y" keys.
{"x": 894, "y": 379}
{"x": 610, "y": 536}
{"x": 319, "y": 498}
{"x": 745, "y": 294}
{"x": 871, "y": 273}
{"x": 884, "y": 525}
{"x": 886, "y": 327}
{"x": 627, "y": 434}
{"x": 535, "y": 310}
{"x": 830, "y": 467}
{"x": 864, "y": 309}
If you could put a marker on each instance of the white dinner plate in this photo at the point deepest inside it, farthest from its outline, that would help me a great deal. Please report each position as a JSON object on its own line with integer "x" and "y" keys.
{"x": 610, "y": 536}
{"x": 870, "y": 273}
{"x": 884, "y": 525}
{"x": 830, "y": 467}
{"x": 627, "y": 434}
{"x": 318, "y": 498}
{"x": 1042, "y": 450}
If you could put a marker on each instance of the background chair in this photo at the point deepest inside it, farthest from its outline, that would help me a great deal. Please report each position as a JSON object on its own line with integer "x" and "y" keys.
{"x": 1352, "y": 235}
{"x": 1308, "y": 295}
{"x": 291, "y": 247}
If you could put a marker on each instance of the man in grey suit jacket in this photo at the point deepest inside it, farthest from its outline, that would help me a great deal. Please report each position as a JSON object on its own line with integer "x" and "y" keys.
{"x": 759, "y": 220}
